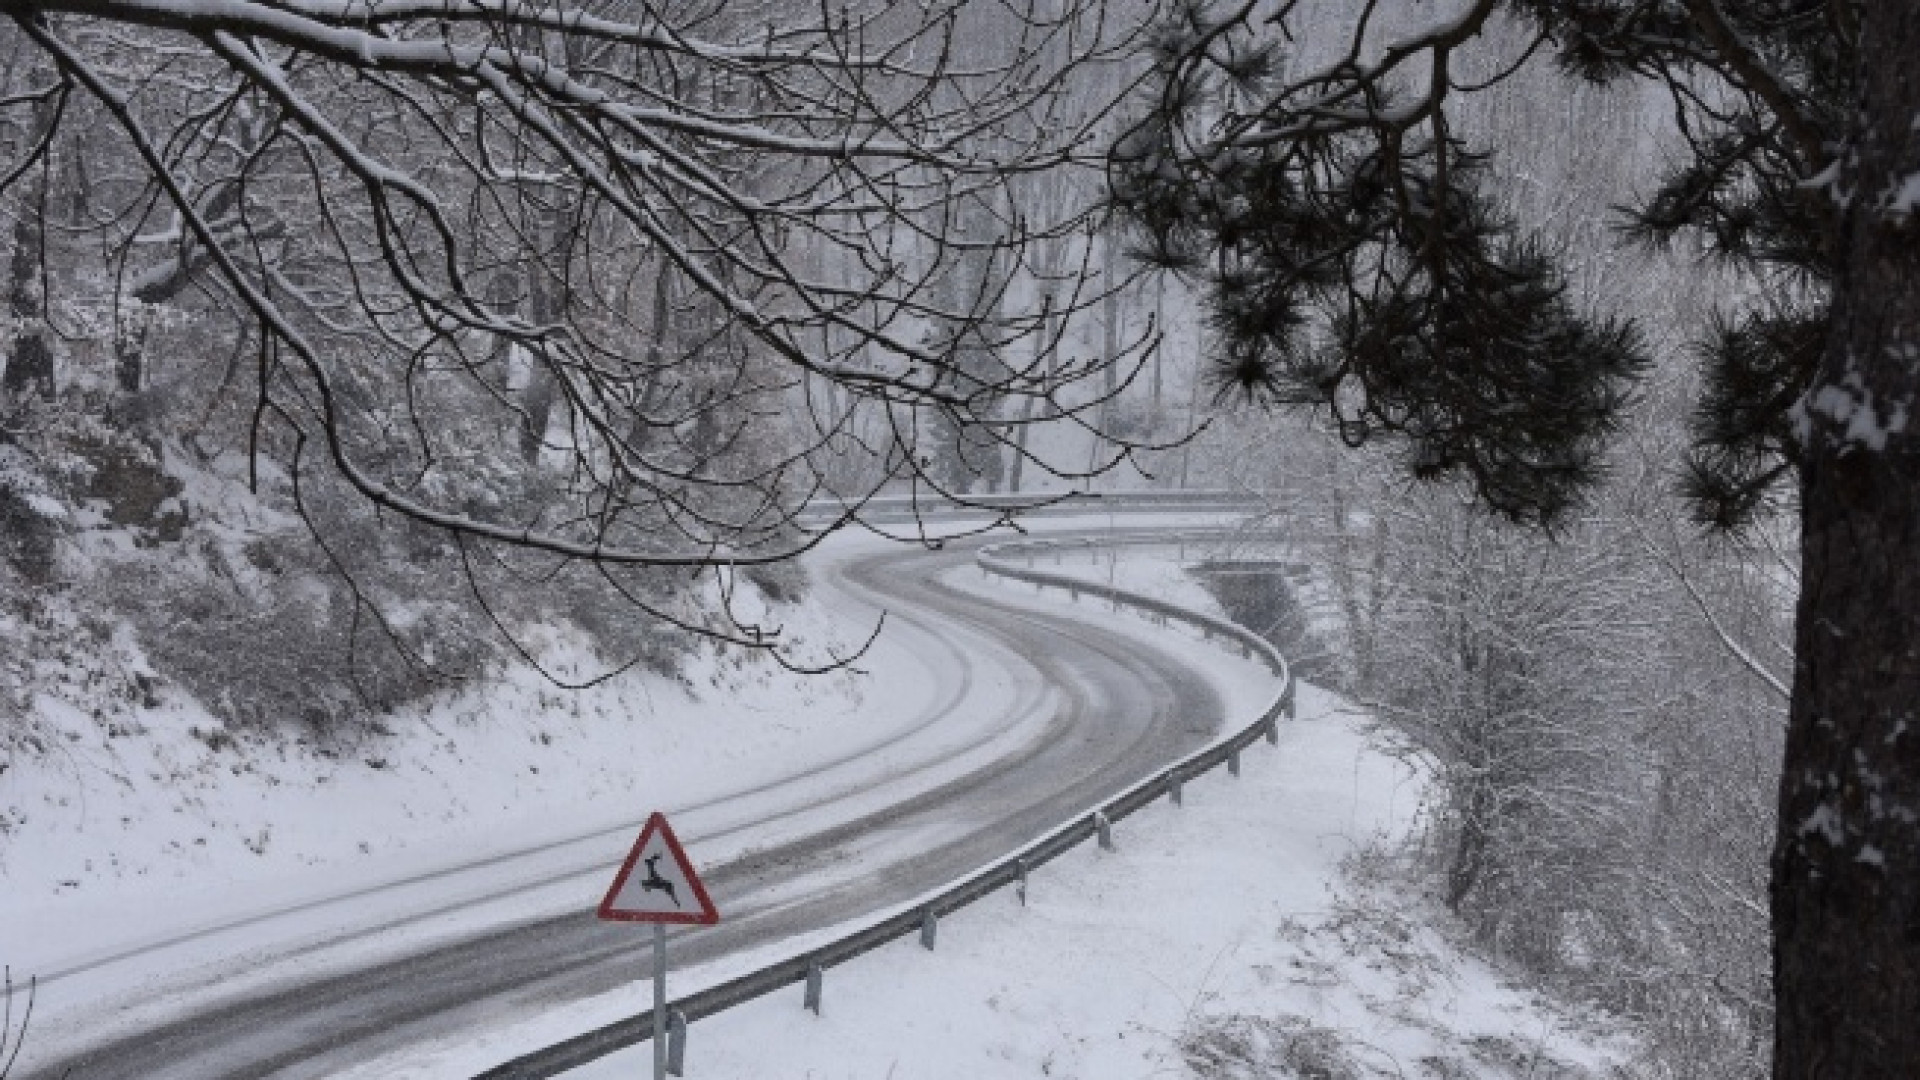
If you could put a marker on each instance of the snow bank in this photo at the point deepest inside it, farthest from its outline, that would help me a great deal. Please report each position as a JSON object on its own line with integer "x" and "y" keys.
{"x": 1227, "y": 938}
{"x": 1220, "y": 939}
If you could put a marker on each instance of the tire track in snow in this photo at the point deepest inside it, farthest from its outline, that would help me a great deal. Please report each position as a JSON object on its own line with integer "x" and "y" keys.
{"x": 1120, "y": 713}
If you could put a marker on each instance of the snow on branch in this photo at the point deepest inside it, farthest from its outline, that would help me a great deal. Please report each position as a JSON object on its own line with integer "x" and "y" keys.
{"x": 680, "y": 269}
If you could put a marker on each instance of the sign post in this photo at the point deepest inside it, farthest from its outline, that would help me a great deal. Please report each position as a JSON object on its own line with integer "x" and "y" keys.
{"x": 666, "y": 891}
{"x": 659, "y": 1001}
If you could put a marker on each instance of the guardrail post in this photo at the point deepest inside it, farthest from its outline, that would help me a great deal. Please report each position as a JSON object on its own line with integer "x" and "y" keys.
{"x": 1104, "y": 829}
{"x": 1020, "y": 880}
{"x": 1233, "y": 761}
{"x": 929, "y": 928}
{"x": 811, "y": 999}
{"x": 1273, "y": 731}
{"x": 1173, "y": 786}
{"x": 1288, "y": 704}
{"x": 676, "y": 1043}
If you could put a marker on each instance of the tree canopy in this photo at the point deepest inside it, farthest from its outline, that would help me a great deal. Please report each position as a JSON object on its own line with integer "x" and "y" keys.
{"x": 1355, "y": 258}
{"x": 1343, "y": 228}
{"x": 633, "y": 234}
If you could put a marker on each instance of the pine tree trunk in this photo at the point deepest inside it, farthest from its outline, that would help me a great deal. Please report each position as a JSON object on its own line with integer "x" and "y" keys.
{"x": 1846, "y": 886}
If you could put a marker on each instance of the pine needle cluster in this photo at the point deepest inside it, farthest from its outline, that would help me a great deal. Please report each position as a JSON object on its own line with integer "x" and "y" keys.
{"x": 1352, "y": 260}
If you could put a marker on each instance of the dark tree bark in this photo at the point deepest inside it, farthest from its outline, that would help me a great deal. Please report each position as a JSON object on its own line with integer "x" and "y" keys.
{"x": 130, "y": 355}
{"x": 547, "y": 292}
{"x": 30, "y": 366}
{"x": 640, "y": 433}
{"x": 1846, "y": 886}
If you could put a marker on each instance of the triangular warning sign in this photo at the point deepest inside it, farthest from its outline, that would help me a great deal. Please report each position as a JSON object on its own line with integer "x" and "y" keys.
{"x": 657, "y": 884}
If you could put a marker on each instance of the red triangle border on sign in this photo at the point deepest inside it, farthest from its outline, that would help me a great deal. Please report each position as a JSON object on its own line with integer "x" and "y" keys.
{"x": 706, "y": 916}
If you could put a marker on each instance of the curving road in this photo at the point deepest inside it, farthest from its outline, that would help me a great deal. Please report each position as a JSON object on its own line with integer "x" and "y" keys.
{"x": 1098, "y": 714}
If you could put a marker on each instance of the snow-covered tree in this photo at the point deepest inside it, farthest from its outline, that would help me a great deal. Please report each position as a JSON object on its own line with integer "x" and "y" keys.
{"x": 406, "y": 201}
{"x": 1358, "y": 260}
{"x": 605, "y": 286}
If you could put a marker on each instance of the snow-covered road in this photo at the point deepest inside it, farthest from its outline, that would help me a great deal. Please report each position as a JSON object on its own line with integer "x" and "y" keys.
{"x": 1003, "y": 722}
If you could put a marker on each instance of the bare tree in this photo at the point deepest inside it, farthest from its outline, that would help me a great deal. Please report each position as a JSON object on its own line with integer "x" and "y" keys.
{"x": 630, "y": 237}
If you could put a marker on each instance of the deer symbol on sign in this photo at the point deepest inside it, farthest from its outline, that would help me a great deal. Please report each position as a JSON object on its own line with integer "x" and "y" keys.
{"x": 655, "y": 883}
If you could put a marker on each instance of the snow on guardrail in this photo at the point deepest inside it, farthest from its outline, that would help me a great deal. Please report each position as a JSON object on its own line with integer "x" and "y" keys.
{"x": 820, "y": 512}
{"x": 921, "y": 916}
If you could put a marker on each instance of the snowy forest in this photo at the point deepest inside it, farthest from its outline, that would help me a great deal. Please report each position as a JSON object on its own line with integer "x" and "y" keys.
{"x": 364, "y": 354}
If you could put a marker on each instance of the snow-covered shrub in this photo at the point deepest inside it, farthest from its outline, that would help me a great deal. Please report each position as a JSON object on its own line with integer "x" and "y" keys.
{"x": 1257, "y": 1047}
{"x": 281, "y": 645}
{"x": 30, "y": 520}
{"x": 317, "y": 612}
{"x": 328, "y": 621}
{"x": 1605, "y": 763}
{"x": 1264, "y": 600}
{"x": 1506, "y": 663}
{"x": 782, "y": 583}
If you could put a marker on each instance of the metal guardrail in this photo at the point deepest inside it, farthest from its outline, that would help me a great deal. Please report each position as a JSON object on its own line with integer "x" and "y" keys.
{"x": 993, "y": 559}
{"x": 908, "y": 507}
{"x": 922, "y": 916}
{"x": 1033, "y": 548}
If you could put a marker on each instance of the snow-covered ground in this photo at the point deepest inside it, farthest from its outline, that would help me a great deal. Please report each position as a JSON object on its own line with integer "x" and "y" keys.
{"x": 144, "y": 870}
{"x": 155, "y": 862}
{"x": 1220, "y": 940}
{"x": 150, "y": 869}
{"x": 1251, "y": 933}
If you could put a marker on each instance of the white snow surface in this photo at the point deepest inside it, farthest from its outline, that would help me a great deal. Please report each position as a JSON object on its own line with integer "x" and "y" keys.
{"x": 1231, "y": 907}
{"x": 1241, "y": 904}
{"x": 147, "y": 871}
{"x": 152, "y": 864}
{"x": 142, "y": 870}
